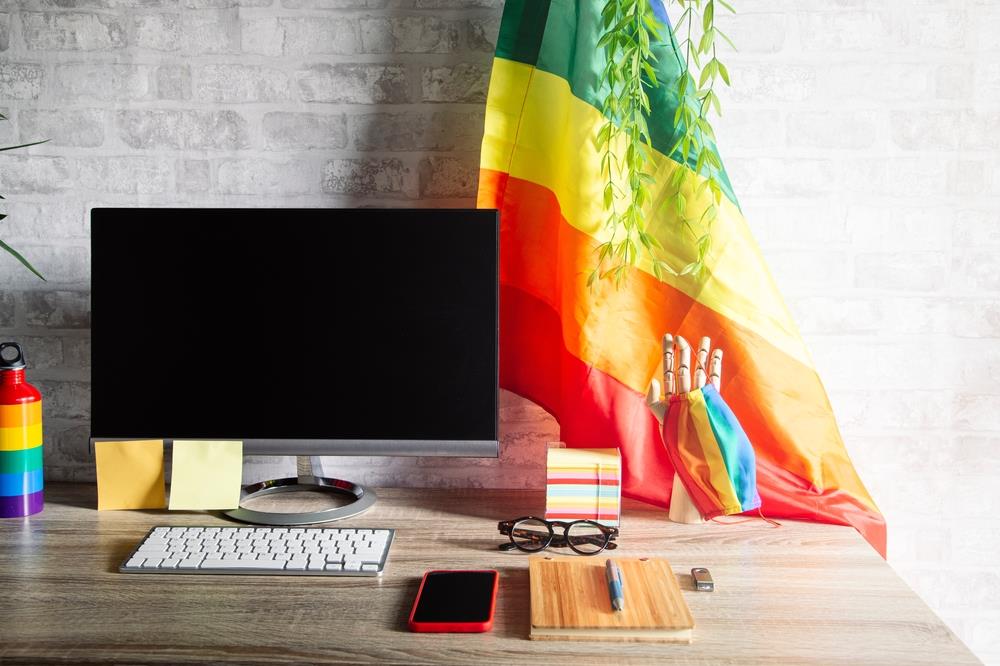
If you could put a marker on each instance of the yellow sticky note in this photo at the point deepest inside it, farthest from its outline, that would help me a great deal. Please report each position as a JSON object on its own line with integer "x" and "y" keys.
{"x": 206, "y": 475}
{"x": 130, "y": 475}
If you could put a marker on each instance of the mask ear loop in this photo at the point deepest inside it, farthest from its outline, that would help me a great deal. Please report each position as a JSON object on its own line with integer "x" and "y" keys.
{"x": 770, "y": 521}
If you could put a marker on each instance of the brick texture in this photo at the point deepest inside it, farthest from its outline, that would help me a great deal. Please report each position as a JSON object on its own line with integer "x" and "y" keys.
{"x": 861, "y": 136}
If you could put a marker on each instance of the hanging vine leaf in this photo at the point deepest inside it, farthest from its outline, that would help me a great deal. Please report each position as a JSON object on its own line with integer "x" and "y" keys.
{"x": 630, "y": 28}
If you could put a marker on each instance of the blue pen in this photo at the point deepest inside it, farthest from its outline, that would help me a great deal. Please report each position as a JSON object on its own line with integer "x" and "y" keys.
{"x": 615, "y": 584}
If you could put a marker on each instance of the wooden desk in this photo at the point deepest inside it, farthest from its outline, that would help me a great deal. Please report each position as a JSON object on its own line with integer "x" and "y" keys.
{"x": 801, "y": 593}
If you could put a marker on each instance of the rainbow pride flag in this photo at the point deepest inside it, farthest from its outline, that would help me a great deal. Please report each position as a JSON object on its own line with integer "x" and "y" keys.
{"x": 588, "y": 355}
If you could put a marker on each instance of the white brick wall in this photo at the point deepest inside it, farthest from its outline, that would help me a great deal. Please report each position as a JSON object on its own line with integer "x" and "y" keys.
{"x": 861, "y": 137}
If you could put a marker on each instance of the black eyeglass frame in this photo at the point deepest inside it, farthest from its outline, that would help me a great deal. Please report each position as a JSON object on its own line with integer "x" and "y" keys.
{"x": 506, "y": 527}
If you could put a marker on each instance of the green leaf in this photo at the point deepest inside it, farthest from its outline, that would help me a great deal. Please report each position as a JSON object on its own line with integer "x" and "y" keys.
{"x": 24, "y": 145}
{"x": 714, "y": 99}
{"x": 604, "y": 135}
{"x": 711, "y": 67}
{"x": 709, "y": 15}
{"x": 17, "y": 255}
{"x": 726, "y": 37}
{"x": 724, "y": 73}
{"x": 650, "y": 74}
{"x": 707, "y": 39}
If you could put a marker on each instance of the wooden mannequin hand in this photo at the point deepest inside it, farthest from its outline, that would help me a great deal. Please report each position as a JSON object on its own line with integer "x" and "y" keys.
{"x": 682, "y": 508}
{"x": 679, "y": 382}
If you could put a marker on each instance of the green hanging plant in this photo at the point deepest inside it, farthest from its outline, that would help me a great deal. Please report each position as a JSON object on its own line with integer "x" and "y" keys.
{"x": 630, "y": 26}
{"x": 4, "y": 246}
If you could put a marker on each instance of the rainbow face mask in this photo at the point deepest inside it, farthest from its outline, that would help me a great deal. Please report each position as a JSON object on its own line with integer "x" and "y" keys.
{"x": 711, "y": 453}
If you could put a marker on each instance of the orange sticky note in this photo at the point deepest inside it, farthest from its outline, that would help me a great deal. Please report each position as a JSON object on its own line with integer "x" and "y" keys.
{"x": 130, "y": 475}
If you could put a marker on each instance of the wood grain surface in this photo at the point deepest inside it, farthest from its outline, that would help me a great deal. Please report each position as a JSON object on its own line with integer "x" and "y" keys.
{"x": 802, "y": 593}
{"x": 571, "y": 594}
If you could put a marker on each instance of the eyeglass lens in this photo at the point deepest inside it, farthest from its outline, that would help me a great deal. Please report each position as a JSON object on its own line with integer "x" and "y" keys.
{"x": 531, "y": 534}
{"x": 586, "y": 538}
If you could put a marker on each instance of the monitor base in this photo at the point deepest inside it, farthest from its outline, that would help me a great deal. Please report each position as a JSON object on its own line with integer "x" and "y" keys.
{"x": 364, "y": 498}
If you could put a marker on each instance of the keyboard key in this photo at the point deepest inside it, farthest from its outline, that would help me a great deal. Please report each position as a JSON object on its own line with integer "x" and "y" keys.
{"x": 153, "y": 554}
{"x": 224, "y": 564}
{"x": 310, "y": 550}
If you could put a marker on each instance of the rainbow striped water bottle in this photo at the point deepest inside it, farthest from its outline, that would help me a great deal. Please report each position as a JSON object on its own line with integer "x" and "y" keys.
{"x": 20, "y": 437}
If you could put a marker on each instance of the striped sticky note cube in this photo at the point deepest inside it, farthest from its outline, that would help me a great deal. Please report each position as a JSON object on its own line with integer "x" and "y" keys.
{"x": 583, "y": 484}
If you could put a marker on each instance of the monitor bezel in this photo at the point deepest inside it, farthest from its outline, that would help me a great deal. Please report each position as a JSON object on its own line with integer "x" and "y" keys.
{"x": 292, "y": 446}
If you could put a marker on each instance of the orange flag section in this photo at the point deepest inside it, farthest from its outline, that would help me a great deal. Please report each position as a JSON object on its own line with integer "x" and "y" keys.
{"x": 588, "y": 355}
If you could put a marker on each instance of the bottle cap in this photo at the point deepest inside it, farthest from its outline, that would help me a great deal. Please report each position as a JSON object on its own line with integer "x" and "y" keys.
{"x": 7, "y": 363}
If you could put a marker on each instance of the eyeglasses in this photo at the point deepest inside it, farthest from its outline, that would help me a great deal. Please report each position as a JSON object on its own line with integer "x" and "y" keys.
{"x": 531, "y": 535}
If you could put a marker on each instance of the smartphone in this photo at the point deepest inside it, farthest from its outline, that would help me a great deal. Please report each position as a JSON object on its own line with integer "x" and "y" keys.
{"x": 455, "y": 602}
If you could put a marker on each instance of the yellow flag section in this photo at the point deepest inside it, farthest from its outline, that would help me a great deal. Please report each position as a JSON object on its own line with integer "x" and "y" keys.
{"x": 587, "y": 355}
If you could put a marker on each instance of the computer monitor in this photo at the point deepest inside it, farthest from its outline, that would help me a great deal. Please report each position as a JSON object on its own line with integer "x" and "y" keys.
{"x": 297, "y": 331}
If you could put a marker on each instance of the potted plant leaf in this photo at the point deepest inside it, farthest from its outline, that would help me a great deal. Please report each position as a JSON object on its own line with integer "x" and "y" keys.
{"x": 4, "y": 246}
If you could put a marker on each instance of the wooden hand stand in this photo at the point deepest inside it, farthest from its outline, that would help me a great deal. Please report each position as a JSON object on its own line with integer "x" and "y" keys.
{"x": 682, "y": 509}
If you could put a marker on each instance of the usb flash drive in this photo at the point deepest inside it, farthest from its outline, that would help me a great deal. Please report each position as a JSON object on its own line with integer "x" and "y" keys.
{"x": 702, "y": 579}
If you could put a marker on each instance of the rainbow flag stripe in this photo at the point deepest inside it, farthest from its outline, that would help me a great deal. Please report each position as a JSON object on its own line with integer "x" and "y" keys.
{"x": 711, "y": 453}
{"x": 588, "y": 355}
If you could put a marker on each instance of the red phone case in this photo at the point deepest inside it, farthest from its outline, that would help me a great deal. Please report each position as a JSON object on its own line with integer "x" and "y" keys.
{"x": 455, "y": 627}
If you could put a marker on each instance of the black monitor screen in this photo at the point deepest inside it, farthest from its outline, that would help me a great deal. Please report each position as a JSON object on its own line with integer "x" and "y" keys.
{"x": 298, "y": 324}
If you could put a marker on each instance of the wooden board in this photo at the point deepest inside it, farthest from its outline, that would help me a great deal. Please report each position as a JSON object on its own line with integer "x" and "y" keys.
{"x": 570, "y": 601}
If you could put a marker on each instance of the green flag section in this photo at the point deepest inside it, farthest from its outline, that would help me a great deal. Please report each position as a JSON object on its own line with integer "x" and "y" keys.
{"x": 587, "y": 355}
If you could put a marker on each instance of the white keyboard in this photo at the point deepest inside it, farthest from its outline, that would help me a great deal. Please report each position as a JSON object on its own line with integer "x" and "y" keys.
{"x": 316, "y": 551}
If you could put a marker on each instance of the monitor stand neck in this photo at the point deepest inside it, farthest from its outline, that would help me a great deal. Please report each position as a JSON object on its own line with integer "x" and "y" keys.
{"x": 307, "y": 479}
